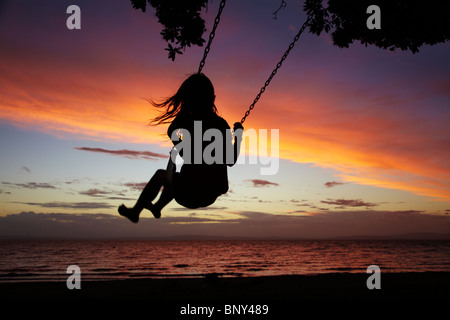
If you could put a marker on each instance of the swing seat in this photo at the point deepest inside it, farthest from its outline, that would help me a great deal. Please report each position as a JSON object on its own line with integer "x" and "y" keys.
{"x": 193, "y": 201}
{"x": 192, "y": 198}
{"x": 198, "y": 186}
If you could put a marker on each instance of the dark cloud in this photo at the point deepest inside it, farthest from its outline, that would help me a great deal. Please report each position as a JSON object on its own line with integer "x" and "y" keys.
{"x": 109, "y": 195}
{"x": 332, "y": 184}
{"x": 30, "y": 185}
{"x": 410, "y": 212}
{"x": 244, "y": 224}
{"x": 297, "y": 211}
{"x": 262, "y": 183}
{"x": 348, "y": 203}
{"x": 94, "y": 193}
{"x": 71, "y": 205}
{"x": 344, "y": 223}
{"x": 26, "y": 169}
{"x": 72, "y": 181}
{"x": 130, "y": 154}
{"x": 199, "y": 209}
{"x": 120, "y": 198}
{"x": 136, "y": 186}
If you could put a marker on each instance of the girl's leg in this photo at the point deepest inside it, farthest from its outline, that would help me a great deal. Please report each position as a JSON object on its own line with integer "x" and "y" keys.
{"x": 167, "y": 192}
{"x": 147, "y": 196}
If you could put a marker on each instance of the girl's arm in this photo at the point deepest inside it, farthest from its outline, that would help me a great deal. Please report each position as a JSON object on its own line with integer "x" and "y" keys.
{"x": 238, "y": 129}
{"x": 173, "y": 129}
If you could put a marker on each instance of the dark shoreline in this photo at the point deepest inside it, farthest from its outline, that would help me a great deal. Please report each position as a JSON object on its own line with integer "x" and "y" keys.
{"x": 334, "y": 286}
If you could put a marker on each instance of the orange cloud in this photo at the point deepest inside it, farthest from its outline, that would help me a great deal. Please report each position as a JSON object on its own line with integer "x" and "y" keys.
{"x": 377, "y": 150}
{"x": 387, "y": 146}
{"x": 369, "y": 138}
{"x": 55, "y": 96}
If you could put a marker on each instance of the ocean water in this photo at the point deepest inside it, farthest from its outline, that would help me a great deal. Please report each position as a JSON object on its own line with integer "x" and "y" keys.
{"x": 124, "y": 259}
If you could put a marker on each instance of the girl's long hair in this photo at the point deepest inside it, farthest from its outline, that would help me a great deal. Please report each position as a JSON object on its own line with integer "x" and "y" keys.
{"x": 195, "y": 97}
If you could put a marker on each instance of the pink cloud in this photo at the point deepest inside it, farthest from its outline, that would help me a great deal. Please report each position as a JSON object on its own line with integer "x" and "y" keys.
{"x": 131, "y": 154}
{"x": 262, "y": 183}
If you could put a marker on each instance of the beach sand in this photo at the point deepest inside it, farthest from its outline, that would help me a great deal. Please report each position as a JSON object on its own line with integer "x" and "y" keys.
{"x": 280, "y": 293}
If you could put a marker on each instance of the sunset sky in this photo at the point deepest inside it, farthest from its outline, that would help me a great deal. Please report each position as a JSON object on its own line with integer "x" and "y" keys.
{"x": 364, "y": 138}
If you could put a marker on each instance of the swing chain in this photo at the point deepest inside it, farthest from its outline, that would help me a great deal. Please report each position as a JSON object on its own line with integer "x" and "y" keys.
{"x": 279, "y": 64}
{"x": 212, "y": 35}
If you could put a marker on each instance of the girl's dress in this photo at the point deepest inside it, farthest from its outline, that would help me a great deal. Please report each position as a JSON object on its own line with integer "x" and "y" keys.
{"x": 199, "y": 184}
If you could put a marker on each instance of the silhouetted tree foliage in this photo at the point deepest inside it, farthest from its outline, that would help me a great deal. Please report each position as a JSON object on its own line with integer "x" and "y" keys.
{"x": 183, "y": 25}
{"x": 405, "y": 24}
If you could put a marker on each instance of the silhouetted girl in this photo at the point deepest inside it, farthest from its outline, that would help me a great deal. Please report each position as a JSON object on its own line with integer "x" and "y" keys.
{"x": 191, "y": 112}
